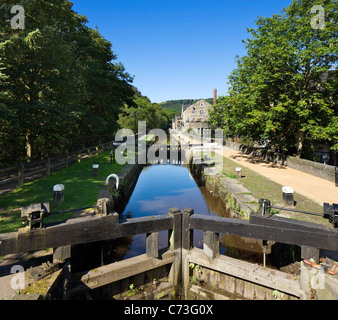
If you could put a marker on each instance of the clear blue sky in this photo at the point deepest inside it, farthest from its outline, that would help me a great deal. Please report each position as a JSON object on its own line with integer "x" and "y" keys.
{"x": 177, "y": 49}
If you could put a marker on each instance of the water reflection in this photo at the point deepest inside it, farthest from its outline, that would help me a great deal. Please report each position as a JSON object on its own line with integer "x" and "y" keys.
{"x": 161, "y": 187}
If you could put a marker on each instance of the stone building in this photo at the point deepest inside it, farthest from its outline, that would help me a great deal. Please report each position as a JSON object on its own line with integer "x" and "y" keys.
{"x": 177, "y": 123}
{"x": 196, "y": 116}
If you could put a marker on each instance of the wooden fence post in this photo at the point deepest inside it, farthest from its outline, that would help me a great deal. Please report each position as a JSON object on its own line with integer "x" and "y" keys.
{"x": 175, "y": 244}
{"x": 187, "y": 242}
{"x": 21, "y": 175}
{"x": 66, "y": 160}
{"x": 48, "y": 167}
{"x": 211, "y": 244}
{"x": 152, "y": 245}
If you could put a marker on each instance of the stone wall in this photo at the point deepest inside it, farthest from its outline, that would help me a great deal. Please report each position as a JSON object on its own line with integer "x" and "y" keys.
{"x": 317, "y": 169}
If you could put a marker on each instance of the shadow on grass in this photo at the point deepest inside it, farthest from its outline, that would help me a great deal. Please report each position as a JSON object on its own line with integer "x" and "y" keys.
{"x": 81, "y": 190}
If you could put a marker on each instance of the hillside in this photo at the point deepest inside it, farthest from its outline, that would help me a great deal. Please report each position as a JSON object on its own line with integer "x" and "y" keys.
{"x": 177, "y": 104}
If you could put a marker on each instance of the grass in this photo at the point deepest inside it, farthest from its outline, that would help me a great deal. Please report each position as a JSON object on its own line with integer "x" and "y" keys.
{"x": 81, "y": 190}
{"x": 262, "y": 187}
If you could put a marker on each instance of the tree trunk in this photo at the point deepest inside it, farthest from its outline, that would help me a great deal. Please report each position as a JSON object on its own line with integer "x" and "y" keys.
{"x": 300, "y": 141}
{"x": 28, "y": 147}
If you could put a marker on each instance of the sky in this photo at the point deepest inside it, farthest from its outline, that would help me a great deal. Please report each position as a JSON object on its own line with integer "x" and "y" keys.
{"x": 177, "y": 49}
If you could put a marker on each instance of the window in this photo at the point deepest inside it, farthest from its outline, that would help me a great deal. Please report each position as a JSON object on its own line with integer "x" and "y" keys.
{"x": 201, "y": 111}
{"x": 202, "y": 119}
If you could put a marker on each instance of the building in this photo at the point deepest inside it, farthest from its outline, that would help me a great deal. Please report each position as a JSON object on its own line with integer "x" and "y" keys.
{"x": 196, "y": 116}
{"x": 177, "y": 123}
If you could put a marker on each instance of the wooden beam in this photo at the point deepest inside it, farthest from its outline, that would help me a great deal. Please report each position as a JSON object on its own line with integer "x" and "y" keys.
{"x": 321, "y": 238}
{"x": 116, "y": 271}
{"x": 152, "y": 245}
{"x": 81, "y": 230}
{"x": 211, "y": 244}
{"x": 282, "y": 222}
{"x": 274, "y": 279}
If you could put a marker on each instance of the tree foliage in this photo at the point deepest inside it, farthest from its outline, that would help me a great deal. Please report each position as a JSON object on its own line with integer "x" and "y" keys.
{"x": 152, "y": 113}
{"x": 285, "y": 89}
{"x": 59, "y": 85}
{"x": 177, "y": 104}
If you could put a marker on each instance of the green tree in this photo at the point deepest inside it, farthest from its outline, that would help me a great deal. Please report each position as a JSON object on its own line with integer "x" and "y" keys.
{"x": 152, "y": 113}
{"x": 59, "y": 85}
{"x": 285, "y": 89}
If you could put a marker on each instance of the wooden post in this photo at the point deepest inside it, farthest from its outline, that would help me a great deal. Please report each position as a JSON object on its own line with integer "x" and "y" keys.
{"x": 187, "y": 242}
{"x": 21, "y": 175}
{"x": 308, "y": 253}
{"x": 211, "y": 244}
{"x": 152, "y": 245}
{"x": 66, "y": 160}
{"x": 48, "y": 167}
{"x": 61, "y": 253}
{"x": 175, "y": 244}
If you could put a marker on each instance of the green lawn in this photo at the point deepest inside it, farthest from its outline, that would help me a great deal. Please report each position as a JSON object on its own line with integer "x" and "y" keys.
{"x": 262, "y": 187}
{"x": 81, "y": 190}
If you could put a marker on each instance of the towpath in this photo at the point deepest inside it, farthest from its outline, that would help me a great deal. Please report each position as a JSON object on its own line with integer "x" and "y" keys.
{"x": 312, "y": 187}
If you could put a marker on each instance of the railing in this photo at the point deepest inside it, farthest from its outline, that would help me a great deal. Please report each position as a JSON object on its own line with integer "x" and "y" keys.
{"x": 180, "y": 252}
{"x": 44, "y": 167}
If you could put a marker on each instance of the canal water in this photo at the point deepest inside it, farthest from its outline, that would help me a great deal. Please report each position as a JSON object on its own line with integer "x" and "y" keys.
{"x": 159, "y": 188}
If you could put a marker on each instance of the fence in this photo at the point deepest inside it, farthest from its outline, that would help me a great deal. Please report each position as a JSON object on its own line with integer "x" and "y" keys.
{"x": 16, "y": 176}
{"x": 179, "y": 254}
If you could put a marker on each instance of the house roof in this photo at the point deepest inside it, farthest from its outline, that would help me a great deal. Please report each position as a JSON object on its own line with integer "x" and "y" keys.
{"x": 184, "y": 107}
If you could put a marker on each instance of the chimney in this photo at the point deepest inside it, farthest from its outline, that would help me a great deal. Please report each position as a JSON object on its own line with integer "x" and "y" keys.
{"x": 215, "y": 96}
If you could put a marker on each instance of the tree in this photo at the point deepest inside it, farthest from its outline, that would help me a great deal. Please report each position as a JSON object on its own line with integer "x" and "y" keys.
{"x": 152, "y": 113}
{"x": 59, "y": 85}
{"x": 285, "y": 89}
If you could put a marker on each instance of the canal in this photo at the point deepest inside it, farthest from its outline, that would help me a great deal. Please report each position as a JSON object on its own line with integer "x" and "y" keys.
{"x": 159, "y": 188}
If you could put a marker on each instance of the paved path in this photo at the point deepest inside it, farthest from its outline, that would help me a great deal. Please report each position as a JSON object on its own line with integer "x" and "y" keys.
{"x": 317, "y": 189}
{"x": 312, "y": 187}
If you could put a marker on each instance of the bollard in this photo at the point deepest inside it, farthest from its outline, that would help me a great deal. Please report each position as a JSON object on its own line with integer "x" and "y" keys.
{"x": 95, "y": 170}
{"x": 239, "y": 172}
{"x": 288, "y": 198}
{"x": 58, "y": 190}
